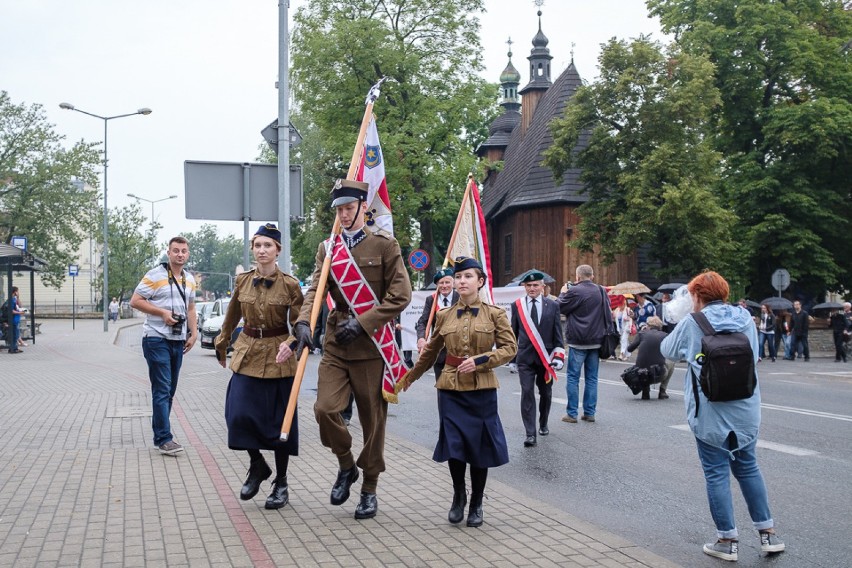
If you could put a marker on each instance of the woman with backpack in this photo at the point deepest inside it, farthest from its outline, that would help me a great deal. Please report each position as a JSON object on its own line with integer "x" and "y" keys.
{"x": 725, "y": 431}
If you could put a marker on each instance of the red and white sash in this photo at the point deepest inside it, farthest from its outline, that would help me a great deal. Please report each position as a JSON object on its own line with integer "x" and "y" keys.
{"x": 360, "y": 298}
{"x": 535, "y": 338}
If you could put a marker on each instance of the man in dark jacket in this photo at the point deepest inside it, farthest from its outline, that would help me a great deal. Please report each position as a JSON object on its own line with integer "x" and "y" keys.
{"x": 538, "y": 327}
{"x": 799, "y": 336}
{"x": 649, "y": 357}
{"x": 588, "y": 317}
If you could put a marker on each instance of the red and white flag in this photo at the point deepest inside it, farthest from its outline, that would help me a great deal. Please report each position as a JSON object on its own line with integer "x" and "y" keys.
{"x": 471, "y": 238}
{"x": 372, "y": 170}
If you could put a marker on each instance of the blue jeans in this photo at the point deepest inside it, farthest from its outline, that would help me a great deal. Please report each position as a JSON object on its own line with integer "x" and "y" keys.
{"x": 13, "y": 334}
{"x": 718, "y": 466}
{"x": 582, "y": 359}
{"x": 764, "y": 337}
{"x": 164, "y": 358}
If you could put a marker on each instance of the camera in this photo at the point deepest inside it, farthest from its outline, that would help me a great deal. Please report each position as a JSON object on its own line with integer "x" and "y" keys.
{"x": 177, "y": 327}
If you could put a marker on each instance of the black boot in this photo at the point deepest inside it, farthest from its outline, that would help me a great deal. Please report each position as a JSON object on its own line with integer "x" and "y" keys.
{"x": 457, "y": 508}
{"x": 258, "y": 472}
{"x": 345, "y": 479}
{"x": 368, "y": 507}
{"x": 474, "y": 514}
{"x": 280, "y": 495}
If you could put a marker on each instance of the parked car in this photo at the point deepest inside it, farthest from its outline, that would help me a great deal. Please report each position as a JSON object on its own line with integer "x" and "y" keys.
{"x": 202, "y": 310}
{"x": 213, "y": 325}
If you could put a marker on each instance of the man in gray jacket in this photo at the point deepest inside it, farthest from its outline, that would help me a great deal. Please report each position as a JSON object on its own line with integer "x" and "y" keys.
{"x": 588, "y": 317}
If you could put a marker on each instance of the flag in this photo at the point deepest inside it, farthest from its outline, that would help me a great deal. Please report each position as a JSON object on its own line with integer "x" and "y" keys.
{"x": 372, "y": 170}
{"x": 471, "y": 238}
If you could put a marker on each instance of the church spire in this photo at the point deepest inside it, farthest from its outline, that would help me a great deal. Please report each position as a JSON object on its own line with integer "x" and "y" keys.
{"x": 539, "y": 59}
{"x": 510, "y": 78}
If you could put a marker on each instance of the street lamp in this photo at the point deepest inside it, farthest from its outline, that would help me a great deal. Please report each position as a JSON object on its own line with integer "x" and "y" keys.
{"x": 106, "y": 119}
{"x": 152, "y": 202}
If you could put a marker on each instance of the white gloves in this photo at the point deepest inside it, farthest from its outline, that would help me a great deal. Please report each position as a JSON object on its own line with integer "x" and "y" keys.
{"x": 513, "y": 368}
{"x": 557, "y": 364}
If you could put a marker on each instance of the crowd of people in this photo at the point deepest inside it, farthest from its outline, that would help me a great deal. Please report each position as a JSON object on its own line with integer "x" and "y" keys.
{"x": 463, "y": 340}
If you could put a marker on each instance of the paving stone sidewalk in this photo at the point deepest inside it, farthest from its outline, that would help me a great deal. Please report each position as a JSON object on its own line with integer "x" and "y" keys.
{"x": 82, "y": 485}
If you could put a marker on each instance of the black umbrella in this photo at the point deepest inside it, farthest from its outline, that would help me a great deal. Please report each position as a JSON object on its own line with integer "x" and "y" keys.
{"x": 516, "y": 281}
{"x": 778, "y": 303}
{"x": 828, "y": 306}
{"x": 670, "y": 287}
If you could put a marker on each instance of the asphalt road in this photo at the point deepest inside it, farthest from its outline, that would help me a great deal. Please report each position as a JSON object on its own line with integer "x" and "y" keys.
{"x": 635, "y": 472}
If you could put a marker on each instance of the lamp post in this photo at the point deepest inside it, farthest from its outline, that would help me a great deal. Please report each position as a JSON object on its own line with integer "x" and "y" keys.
{"x": 152, "y": 202}
{"x": 106, "y": 119}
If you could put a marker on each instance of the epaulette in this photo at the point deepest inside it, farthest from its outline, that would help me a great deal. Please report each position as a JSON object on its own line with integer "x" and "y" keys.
{"x": 382, "y": 233}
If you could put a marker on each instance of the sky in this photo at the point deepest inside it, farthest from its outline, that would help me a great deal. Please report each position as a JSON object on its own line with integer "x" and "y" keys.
{"x": 207, "y": 69}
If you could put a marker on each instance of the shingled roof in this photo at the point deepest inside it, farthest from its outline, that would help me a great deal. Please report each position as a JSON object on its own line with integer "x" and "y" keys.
{"x": 524, "y": 181}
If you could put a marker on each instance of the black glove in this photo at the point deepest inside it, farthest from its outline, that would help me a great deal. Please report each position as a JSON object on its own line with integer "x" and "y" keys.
{"x": 347, "y": 331}
{"x": 302, "y": 331}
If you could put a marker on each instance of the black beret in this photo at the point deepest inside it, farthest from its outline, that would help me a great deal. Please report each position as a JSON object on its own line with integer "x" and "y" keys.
{"x": 442, "y": 274}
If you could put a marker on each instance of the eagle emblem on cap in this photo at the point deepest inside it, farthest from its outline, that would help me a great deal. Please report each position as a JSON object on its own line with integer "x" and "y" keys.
{"x": 372, "y": 156}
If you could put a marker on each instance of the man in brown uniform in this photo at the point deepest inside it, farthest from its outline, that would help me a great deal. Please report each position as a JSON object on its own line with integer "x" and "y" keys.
{"x": 351, "y": 362}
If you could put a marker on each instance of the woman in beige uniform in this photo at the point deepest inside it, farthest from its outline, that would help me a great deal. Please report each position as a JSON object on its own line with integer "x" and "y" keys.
{"x": 470, "y": 428}
{"x": 268, "y": 301}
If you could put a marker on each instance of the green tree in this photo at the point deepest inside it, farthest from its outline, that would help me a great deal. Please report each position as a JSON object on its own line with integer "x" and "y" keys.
{"x": 131, "y": 250}
{"x": 433, "y": 110}
{"x": 44, "y": 188}
{"x": 784, "y": 128}
{"x": 213, "y": 258}
{"x": 649, "y": 169}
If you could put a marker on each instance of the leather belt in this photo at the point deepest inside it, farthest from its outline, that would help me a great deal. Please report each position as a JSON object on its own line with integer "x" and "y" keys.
{"x": 343, "y": 310}
{"x": 260, "y": 333}
{"x": 455, "y": 361}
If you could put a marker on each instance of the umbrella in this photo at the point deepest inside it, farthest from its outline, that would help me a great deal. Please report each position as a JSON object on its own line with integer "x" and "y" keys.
{"x": 629, "y": 288}
{"x": 516, "y": 281}
{"x": 828, "y": 306}
{"x": 778, "y": 303}
{"x": 752, "y": 304}
{"x": 670, "y": 287}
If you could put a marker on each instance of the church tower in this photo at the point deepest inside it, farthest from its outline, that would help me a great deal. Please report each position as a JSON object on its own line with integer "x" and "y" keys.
{"x": 539, "y": 76}
{"x": 501, "y": 129}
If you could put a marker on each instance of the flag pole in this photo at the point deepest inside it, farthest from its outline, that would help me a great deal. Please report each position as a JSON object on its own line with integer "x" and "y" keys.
{"x": 450, "y": 248}
{"x": 326, "y": 265}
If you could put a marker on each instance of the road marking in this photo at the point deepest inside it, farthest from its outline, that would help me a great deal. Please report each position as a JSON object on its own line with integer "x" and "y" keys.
{"x": 199, "y": 373}
{"x": 783, "y": 448}
{"x": 552, "y": 400}
{"x": 796, "y": 383}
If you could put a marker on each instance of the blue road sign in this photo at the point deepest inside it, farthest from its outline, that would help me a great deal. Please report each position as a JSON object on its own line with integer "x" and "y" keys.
{"x": 418, "y": 259}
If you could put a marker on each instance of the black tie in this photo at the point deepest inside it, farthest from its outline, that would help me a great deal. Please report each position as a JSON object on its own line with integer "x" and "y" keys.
{"x": 258, "y": 280}
{"x": 445, "y": 302}
{"x": 534, "y": 312}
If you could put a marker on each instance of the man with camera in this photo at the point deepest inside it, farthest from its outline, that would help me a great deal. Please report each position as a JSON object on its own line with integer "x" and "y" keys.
{"x": 167, "y": 295}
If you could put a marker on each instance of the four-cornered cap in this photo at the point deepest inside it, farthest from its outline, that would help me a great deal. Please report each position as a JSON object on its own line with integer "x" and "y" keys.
{"x": 465, "y": 262}
{"x": 533, "y": 276}
{"x": 271, "y": 231}
{"x": 442, "y": 274}
{"x": 348, "y": 190}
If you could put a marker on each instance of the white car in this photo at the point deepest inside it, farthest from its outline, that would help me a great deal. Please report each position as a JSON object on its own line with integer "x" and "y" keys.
{"x": 213, "y": 323}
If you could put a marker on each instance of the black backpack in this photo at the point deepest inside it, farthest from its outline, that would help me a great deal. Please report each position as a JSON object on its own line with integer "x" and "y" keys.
{"x": 727, "y": 364}
{"x": 4, "y": 312}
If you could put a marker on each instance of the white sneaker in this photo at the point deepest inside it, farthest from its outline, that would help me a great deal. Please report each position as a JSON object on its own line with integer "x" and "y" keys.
{"x": 724, "y": 550}
{"x": 770, "y": 543}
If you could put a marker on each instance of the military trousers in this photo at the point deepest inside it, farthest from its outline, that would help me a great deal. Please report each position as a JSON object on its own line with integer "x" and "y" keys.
{"x": 338, "y": 377}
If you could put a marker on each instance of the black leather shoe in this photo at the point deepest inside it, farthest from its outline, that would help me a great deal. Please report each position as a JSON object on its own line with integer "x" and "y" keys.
{"x": 474, "y": 514}
{"x": 368, "y": 507}
{"x": 529, "y": 442}
{"x": 456, "y": 513}
{"x": 543, "y": 431}
{"x": 345, "y": 479}
{"x": 258, "y": 472}
{"x": 280, "y": 494}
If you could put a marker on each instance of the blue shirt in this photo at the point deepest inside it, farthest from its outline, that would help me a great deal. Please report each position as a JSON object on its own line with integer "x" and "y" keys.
{"x": 13, "y": 307}
{"x": 715, "y": 420}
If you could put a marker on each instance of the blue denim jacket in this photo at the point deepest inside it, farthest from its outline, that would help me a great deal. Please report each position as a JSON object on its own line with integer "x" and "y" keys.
{"x": 715, "y": 419}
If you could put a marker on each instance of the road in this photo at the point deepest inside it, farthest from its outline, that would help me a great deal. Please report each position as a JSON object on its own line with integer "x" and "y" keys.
{"x": 635, "y": 472}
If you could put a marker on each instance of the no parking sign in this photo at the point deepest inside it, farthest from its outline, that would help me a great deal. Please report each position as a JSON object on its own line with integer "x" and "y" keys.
{"x": 418, "y": 259}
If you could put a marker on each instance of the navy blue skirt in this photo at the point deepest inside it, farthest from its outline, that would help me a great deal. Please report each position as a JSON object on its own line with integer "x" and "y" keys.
{"x": 254, "y": 411}
{"x": 471, "y": 430}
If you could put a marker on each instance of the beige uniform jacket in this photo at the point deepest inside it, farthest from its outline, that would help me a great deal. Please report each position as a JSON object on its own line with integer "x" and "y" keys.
{"x": 266, "y": 308}
{"x": 467, "y": 335}
{"x": 380, "y": 260}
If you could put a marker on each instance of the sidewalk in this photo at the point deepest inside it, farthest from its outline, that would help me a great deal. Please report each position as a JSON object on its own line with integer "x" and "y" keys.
{"x": 82, "y": 485}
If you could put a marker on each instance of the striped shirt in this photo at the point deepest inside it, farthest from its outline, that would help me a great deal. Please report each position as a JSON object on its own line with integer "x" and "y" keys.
{"x": 163, "y": 292}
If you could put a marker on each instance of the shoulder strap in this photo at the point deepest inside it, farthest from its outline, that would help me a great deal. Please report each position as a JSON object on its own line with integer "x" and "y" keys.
{"x": 703, "y": 323}
{"x": 607, "y": 324}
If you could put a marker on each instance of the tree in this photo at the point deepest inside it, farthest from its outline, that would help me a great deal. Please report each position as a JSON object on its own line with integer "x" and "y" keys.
{"x": 649, "y": 169}
{"x": 131, "y": 250}
{"x": 38, "y": 194}
{"x": 433, "y": 110}
{"x": 214, "y": 258}
{"x": 784, "y": 129}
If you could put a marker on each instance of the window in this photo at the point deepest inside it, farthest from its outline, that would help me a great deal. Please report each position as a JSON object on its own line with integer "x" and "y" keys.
{"x": 507, "y": 254}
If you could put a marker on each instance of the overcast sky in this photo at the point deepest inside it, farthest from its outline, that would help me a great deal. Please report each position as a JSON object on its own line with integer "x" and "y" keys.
{"x": 208, "y": 68}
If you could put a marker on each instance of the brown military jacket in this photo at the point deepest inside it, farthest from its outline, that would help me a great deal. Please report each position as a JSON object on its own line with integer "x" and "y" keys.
{"x": 380, "y": 260}
{"x": 466, "y": 335}
{"x": 265, "y": 308}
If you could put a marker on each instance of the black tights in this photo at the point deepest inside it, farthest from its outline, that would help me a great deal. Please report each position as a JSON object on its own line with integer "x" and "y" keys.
{"x": 478, "y": 476}
{"x": 282, "y": 460}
